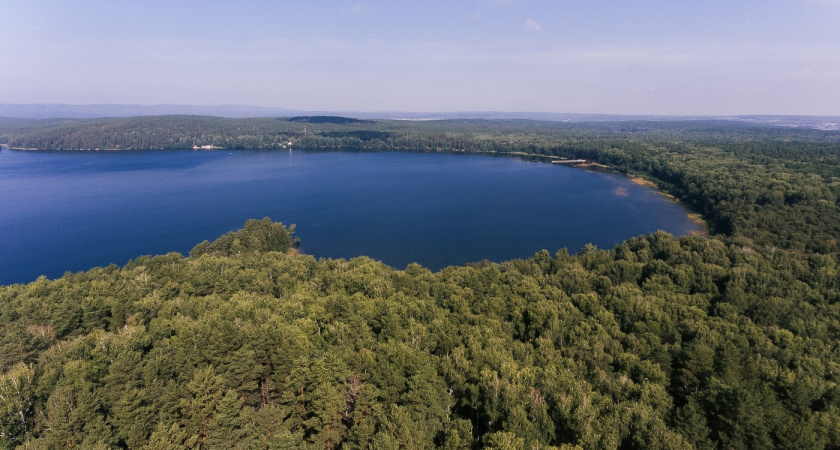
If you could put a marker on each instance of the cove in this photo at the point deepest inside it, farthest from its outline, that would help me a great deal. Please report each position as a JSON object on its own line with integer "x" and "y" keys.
{"x": 71, "y": 211}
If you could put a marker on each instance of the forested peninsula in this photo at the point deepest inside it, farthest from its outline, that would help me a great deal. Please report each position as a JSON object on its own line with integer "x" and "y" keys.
{"x": 725, "y": 341}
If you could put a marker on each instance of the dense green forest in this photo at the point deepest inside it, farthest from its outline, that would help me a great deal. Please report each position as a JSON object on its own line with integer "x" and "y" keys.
{"x": 727, "y": 341}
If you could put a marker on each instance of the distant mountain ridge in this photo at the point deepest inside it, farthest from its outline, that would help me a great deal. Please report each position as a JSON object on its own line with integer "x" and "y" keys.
{"x": 64, "y": 111}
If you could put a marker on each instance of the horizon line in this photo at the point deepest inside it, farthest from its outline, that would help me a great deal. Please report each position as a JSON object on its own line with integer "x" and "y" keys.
{"x": 390, "y": 113}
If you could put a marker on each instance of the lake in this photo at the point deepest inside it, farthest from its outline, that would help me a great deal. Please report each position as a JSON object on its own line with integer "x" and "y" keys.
{"x": 70, "y": 211}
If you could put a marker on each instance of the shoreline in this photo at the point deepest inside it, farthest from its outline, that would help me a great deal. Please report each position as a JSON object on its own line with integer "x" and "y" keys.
{"x": 691, "y": 215}
{"x": 28, "y": 149}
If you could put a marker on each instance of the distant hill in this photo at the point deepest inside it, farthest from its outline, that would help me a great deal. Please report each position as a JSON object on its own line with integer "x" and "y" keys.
{"x": 58, "y": 111}
{"x": 61, "y": 111}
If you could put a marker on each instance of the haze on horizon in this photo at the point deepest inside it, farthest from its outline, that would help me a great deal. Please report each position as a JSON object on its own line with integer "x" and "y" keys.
{"x": 607, "y": 57}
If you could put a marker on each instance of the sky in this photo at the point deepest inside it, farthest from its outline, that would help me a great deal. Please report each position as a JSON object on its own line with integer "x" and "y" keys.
{"x": 676, "y": 57}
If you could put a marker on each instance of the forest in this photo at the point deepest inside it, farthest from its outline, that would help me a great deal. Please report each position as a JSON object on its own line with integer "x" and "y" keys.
{"x": 725, "y": 341}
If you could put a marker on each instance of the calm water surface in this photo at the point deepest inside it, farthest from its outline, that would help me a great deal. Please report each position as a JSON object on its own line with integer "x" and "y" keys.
{"x": 70, "y": 211}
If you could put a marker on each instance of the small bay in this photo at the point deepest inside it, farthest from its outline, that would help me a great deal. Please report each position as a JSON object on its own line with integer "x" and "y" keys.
{"x": 71, "y": 211}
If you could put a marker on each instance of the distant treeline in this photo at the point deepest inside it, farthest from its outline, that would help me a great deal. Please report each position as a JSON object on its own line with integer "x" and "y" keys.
{"x": 727, "y": 341}
{"x": 327, "y": 132}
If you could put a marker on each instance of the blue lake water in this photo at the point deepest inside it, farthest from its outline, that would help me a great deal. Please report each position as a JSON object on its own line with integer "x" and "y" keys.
{"x": 70, "y": 211}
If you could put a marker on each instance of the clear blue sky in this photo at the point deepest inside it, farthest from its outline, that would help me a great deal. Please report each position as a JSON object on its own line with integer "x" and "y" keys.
{"x": 700, "y": 57}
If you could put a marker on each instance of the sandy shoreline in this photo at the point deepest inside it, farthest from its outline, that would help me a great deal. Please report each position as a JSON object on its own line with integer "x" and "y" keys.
{"x": 694, "y": 217}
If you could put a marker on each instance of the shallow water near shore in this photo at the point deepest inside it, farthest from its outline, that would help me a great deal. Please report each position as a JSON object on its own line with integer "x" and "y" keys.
{"x": 71, "y": 211}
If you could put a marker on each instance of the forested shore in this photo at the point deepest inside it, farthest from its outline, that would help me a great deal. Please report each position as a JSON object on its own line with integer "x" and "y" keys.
{"x": 727, "y": 341}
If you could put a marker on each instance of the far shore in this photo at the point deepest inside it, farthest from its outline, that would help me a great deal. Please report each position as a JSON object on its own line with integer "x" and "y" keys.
{"x": 29, "y": 149}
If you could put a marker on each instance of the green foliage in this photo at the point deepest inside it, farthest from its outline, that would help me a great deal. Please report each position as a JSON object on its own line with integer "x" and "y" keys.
{"x": 728, "y": 341}
{"x": 550, "y": 351}
{"x": 257, "y": 236}
{"x": 16, "y": 404}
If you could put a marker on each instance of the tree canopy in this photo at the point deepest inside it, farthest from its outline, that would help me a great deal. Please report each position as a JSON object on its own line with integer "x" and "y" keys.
{"x": 726, "y": 341}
